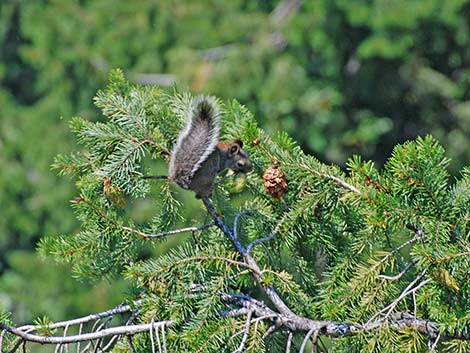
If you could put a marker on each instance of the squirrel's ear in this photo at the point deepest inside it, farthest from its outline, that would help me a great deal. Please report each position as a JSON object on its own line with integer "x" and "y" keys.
{"x": 234, "y": 148}
{"x": 238, "y": 142}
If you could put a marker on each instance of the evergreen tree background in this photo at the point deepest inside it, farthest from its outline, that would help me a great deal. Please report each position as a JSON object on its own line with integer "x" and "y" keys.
{"x": 339, "y": 77}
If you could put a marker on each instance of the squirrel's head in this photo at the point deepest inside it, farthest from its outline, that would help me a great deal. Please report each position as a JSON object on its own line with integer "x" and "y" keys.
{"x": 237, "y": 158}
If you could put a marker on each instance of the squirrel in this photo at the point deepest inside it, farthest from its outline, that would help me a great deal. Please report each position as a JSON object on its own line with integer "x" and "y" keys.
{"x": 198, "y": 157}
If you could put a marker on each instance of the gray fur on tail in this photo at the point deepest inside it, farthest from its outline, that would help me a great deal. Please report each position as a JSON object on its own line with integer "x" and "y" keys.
{"x": 197, "y": 141}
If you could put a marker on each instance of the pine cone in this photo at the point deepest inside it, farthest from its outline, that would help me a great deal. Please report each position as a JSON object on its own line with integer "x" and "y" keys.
{"x": 275, "y": 182}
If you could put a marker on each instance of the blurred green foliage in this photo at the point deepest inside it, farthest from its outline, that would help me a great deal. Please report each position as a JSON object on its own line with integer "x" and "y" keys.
{"x": 341, "y": 77}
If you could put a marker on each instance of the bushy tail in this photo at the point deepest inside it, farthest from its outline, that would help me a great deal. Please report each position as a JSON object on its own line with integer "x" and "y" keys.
{"x": 197, "y": 141}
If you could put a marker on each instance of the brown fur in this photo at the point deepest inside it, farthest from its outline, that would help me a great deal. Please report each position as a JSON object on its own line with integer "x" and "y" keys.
{"x": 226, "y": 155}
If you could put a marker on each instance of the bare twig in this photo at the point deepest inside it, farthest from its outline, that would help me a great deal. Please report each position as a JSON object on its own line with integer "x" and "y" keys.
{"x": 119, "y": 330}
{"x": 261, "y": 240}
{"x": 170, "y": 232}
{"x": 304, "y": 342}
{"x": 151, "y": 337}
{"x": 2, "y": 334}
{"x": 87, "y": 347}
{"x": 270, "y": 330}
{"x": 289, "y": 341}
{"x": 397, "y": 321}
{"x": 255, "y": 330}
{"x": 315, "y": 337}
{"x": 408, "y": 289}
{"x": 342, "y": 183}
{"x": 257, "y": 241}
{"x": 164, "y": 339}
{"x": 158, "y": 340}
{"x": 436, "y": 341}
{"x": 453, "y": 256}
{"x": 406, "y": 243}
{"x": 235, "y": 312}
{"x": 400, "y": 275}
{"x": 65, "y": 334}
{"x": 79, "y": 332}
{"x": 97, "y": 345}
{"x": 279, "y": 316}
{"x": 401, "y": 320}
{"x": 419, "y": 232}
{"x": 290, "y": 319}
{"x": 110, "y": 343}
{"x": 223, "y": 227}
{"x": 337, "y": 180}
{"x": 131, "y": 345}
{"x": 115, "y": 338}
{"x": 246, "y": 332}
{"x": 92, "y": 317}
{"x": 235, "y": 222}
{"x": 247, "y": 305}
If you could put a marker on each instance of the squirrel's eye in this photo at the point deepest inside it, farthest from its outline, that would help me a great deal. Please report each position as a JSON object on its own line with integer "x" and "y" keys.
{"x": 233, "y": 149}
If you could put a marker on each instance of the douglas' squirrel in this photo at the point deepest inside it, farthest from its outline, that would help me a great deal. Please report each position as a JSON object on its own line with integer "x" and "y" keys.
{"x": 198, "y": 156}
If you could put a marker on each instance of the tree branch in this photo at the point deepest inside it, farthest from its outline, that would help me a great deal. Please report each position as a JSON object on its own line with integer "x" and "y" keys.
{"x": 92, "y": 317}
{"x": 337, "y": 180}
{"x": 256, "y": 271}
{"x": 304, "y": 342}
{"x": 285, "y": 317}
{"x": 254, "y": 309}
{"x": 112, "y": 331}
{"x": 170, "y": 232}
{"x": 398, "y": 321}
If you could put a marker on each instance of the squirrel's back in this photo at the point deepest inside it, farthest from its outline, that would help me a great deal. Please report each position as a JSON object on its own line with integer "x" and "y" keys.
{"x": 196, "y": 142}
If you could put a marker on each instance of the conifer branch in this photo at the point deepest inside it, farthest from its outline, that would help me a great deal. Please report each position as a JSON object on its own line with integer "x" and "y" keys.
{"x": 292, "y": 322}
{"x": 286, "y": 316}
{"x": 255, "y": 311}
{"x": 397, "y": 321}
{"x": 188, "y": 284}
{"x": 296, "y": 323}
{"x": 256, "y": 272}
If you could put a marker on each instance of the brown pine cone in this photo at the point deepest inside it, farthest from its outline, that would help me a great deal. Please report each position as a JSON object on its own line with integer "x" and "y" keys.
{"x": 275, "y": 182}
